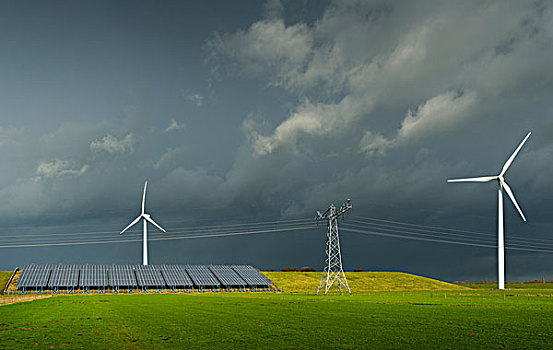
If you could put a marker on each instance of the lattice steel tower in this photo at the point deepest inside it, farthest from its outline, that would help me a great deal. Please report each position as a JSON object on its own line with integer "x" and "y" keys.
{"x": 333, "y": 271}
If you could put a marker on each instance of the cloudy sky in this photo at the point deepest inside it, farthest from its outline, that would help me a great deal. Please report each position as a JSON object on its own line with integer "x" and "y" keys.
{"x": 249, "y": 112}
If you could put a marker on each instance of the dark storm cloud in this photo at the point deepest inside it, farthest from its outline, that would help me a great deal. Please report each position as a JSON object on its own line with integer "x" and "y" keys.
{"x": 296, "y": 105}
{"x": 410, "y": 94}
{"x": 440, "y": 71}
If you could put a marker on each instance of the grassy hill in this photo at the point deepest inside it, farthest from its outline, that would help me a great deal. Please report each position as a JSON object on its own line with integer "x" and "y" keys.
{"x": 307, "y": 282}
{"x": 4, "y": 277}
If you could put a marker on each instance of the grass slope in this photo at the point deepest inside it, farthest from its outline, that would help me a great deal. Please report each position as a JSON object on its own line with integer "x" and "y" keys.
{"x": 307, "y": 282}
{"x": 382, "y": 320}
{"x": 4, "y": 277}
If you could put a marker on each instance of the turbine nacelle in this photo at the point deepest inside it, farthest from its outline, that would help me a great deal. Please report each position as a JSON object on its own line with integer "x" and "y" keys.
{"x": 500, "y": 178}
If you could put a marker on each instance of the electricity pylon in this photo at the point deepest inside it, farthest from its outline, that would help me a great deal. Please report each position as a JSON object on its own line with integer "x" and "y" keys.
{"x": 333, "y": 271}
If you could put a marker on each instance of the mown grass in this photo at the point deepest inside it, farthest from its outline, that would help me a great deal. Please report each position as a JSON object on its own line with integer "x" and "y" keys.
{"x": 307, "y": 282}
{"x": 382, "y": 320}
{"x": 493, "y": 285}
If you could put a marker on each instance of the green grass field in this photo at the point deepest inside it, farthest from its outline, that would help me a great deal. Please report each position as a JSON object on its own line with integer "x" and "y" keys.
{"x": 397, "y": 317}
{"x": 493, "y": 285}
{"x": 401, "y": 320}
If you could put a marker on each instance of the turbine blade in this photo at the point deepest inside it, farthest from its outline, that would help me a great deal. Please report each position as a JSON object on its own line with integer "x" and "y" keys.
{"x": 510, "y": 160}
{"x": 154, "y": 223}
{"x": 475, "y": 179}
{"x": 512, "y": 196}
{"x": 131, "y": 224}
{"x": 144, "y": 196}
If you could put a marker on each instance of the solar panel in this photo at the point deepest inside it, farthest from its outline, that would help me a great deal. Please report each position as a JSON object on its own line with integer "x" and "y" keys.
{"x": 34, "y": 276}
{"x": 251, "y": 275}
{"x": 93, "y": 276}
{"x": 149, "y": 276}
{"x": 227, "y": 276}
{"x": 121, "y": 276}
{"x": 64, "y": 276}
{"x": 129, "y": 276}
{"x": 201, "y": 276}
{"x": 24, "y": 278}
{"x": 176, "y": 276}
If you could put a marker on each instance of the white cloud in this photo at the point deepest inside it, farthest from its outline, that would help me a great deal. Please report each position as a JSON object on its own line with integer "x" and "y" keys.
{"x": 373, "y": 144}
{"x": 175, "y": 126}
{"x": 436, "y": 115}
{"x": 397, "y": 57}
{"x": 309, "y": 119}
{"x": 57, "y": 168}
{"x": 112, "y": 145}
{"x": 195, "y": 98}
{"x": 171, "y": 156}
{"x": 268, "y": 43}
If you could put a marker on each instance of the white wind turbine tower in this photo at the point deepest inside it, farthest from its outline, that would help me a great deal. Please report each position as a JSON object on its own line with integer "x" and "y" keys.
{"x": 502, "y": 186}
{"x": 147, "y": 219}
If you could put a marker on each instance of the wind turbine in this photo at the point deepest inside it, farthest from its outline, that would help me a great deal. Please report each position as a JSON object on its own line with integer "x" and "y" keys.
{"x": 146, "y": 218}
{"x": 502, "y": 186}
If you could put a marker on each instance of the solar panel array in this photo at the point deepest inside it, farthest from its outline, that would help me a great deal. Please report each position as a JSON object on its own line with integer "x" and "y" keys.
{"x": 149, "y": 276}
{"x": 176, "y": 276}
{"x": 64, "y": 276}
{"x": 121, "y": 276}
{"x": 251, "y": 275}
{"x": 94, "y": 276}
{"x": 227, "y": 276}
{"x": 202, "y": 276}
{"x": 129, "y": 276}
{"x": 34, "y": 276}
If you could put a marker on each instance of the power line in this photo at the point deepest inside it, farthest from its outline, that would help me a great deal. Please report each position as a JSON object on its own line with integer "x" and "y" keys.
{"x": 134, "y": 236}
{"x": 402, "y": 229}
{"x": 405, "y": 231}
{"x": 436, "y": 240}
{"x": 530, "y": 240}
{"x": 418, "y": 238}
{"x": 198, "y": 228}
{"x": 161, "y": 238}
{"x": 367, "y": 225}
{"x": 196, "y": 232}
{"x": 180, "y": 220}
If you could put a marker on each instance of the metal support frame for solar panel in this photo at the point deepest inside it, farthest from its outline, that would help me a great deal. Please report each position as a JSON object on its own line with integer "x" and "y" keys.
{"x": 176, "y": 278}
{"x": 148, "y": 276}
{"x": 253, "y": 277}
{"x": 202, "y": 277}
{"x": 228, "y": 277}
{"x": 64, "y": 277}
{"x": 10, "y": 280}
{"x": 121, "y": 276}
{"x": 95, "y": 277}
{"x": 271, "y": 282}
{"x": 34, "y": 277}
